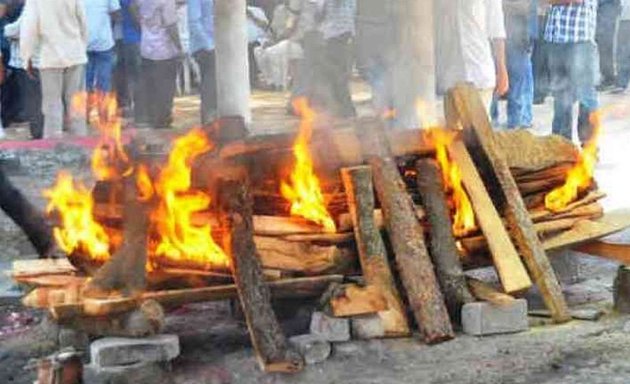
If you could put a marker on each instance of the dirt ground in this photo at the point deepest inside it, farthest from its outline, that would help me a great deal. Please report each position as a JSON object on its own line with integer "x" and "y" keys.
{"x": 215, "y": 346}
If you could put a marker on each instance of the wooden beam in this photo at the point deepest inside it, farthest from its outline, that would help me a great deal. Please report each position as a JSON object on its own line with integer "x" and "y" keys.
{"x": 610, "y": 251}
{"x": 270, "y": 344}
{"x": 510, "y": 268}
{"x": 479, "y": 139}
{"x": 372, "y": 253}
{"x": 442, "y": 243}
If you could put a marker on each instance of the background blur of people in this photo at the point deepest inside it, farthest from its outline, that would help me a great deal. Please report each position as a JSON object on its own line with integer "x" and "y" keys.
{"x": 257, "y": 36}
{"x": 201, "y": 24}
{"x": 160, "y": 49}
{"x": 57, "y": 30}
{"x": 623, "y": 49}
{"x": 129, "y": 62}
{"x": 608, "y": 13}
{"x": 540, "y": 56}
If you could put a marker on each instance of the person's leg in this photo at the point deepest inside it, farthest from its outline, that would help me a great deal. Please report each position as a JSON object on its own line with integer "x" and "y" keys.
{"x": 584, "y": 77}
{"x": 120, "y": 78}
{"x": 104, "y": 71}
{"x": 90, "y": 72}
{"x": 208, "y": 86}
{"x": 562, "y": 90}
{"x": 31, "y": 89}
{"x": 166, "y": 71}
{"x": 73, "y": 85}
{"x": 607, "y": 24}
{"x": 340, "y": 70}
{"x": 52, "y": 104}
{"x": 623, "y": 55}
{"x": 519, "y": 96}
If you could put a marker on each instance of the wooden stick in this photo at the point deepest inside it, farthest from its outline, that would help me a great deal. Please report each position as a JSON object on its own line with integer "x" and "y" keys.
{"x": 372, "y": 253}
{"x": 272, "y": 350}
{"x": 510, "y": 268}
{"x": 442, "y": 244}
{"x": 479, "y": 138}
{"x": 413, "y": 260}
{"x": 484, "y": 291}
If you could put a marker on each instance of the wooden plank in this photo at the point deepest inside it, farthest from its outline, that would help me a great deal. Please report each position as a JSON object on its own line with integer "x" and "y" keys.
{"x": 486, "y": 292}
{"x": 611, "y": 251}
{"x": 358, "y": 301}
{"x": 509, "y": 266}
{"x": 372, "y": 251}
{"x": 479, "y": 138}
{"x": 589, "y": 230}
{"x": 41, "y": 267}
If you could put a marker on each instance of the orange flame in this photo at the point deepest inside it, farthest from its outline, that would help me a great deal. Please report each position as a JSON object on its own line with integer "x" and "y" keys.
{"x": 180, "y": 240}
{"x": 464, "y": 217}
{"x": 79, "y": 231}
{"x": 580, "y": 176}
{"x": 304, "y": 190}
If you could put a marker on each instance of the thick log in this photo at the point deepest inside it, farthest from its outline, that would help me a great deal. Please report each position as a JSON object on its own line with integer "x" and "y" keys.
{"x": 125, "y": 271}
{"x": 270, "y": 344}
{"x": 442, "y": 243}
{"x": 486, "y": 292}
{"x": 510, "y": 268}
{"x": 352, "y": 300}
{"x": 372, "y": 251}
{"x": 412, "y": 258}
{"x": 488, "y": 157}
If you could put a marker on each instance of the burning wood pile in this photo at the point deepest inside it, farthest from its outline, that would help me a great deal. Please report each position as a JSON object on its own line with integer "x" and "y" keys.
{"x": 253, "y": 218}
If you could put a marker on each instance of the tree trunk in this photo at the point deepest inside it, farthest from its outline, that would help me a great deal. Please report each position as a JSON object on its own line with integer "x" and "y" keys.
{"x": 267, "y": 337}
{"x": 442, "y": 243}
{"x": 372, "y": 251}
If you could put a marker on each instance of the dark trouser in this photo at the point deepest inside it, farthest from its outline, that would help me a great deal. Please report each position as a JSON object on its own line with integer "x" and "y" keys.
{"x": 573, "y": 78}
{"x": 26, "y": 216}
{"x": 623, "y": 55}
{"x": 99, "y": 71}
{"x": 31, "y": 91}
{"x": 253, "y": 65}
{"x": 12, "y": 99}
{"x": 607, "y": 27}
{"x": 208, "y": 87}
{"x": 158, "y": 84}
{"x": 128, "y": 80}
{"x": 335, "y": 69}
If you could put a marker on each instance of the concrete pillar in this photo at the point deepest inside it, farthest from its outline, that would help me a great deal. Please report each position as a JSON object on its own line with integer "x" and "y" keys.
{"x": 232, "y": 66}
{"x": 414, "y": 71}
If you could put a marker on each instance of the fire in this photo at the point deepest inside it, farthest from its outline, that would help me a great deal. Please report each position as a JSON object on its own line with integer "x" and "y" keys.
{"x": 464, "y": 218}
{"x": 179, "y": 239}
{"x": 580, "y": 176}
{"x": 304, "y": 190}
{"x": 78, "y": 231}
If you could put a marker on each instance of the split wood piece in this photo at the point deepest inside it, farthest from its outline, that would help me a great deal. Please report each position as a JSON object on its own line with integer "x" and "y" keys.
{"x": 588, "y": 230}
{"x": 412, "y": 258}
{"x": 39, "y": 267}
{"x": 297, "y": 288}
{"x": 269, "y": 342}
{"x": 125, "y": 272}
{"x": 442, "y": 243}
{"x": 346, "y": 224}
{"x": 49, "y": 280}
{"x": 479, "y": 138}
{"x": 510, "y": 268}
{"x": 486, "y": 292}
{"x": 557, "y": 170}
{"x": 303, "y": 258}
{"x": 372, "y": 252}
{"x": 589, "y": 200}
{"x": 610, "y": 251}
{"x": 324, "y": 239}
{"x": 352, "y": 300}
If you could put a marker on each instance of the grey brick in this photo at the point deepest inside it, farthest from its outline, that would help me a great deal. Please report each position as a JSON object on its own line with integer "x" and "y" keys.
{"x": 330, "y": 328}
{"x": 313, "y": 349}
{"x": 481, "y": 318}
{"x": 116, "y": 351}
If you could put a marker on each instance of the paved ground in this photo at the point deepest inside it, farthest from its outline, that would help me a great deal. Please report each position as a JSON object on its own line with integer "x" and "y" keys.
{"x": 215, "y": 346}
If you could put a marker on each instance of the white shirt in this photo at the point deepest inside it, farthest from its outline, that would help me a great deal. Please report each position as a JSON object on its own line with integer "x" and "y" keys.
{"x": 58, "y": 28}
{"x": 99, "y": 21}
{"x": 465, "y": 29}
{"x": 625, "y": 10}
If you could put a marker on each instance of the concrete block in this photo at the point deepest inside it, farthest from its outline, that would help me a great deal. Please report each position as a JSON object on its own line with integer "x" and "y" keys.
{"x": 482, "y": 318}
{"x": 567, "y": 266}
{"x": 330, "y": 328}
{"x": 140, "y": 373}
{"x": 367, "y": 327}
{"x": 72, "y": 338}
{"x": 313, "y": 349}
{"x": 116, "y": 351}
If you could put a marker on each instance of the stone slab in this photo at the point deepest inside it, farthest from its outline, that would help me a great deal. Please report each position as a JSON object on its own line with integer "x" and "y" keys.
{"x": 330, "y": 328}
{"x": 482, "y": 318}
{"x": 117, "y": 351}
{"x": 367, "y": 327}
{"x": 141, "y": 373}
{"x": 313, "y": 349}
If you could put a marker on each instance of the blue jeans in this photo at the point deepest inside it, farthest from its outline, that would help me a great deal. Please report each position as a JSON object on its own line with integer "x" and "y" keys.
{"x": 99, "y": 71}
{"x": 521, "y": 95}
{"x": 574, "y": 72}
{"x": 623, "y": 55}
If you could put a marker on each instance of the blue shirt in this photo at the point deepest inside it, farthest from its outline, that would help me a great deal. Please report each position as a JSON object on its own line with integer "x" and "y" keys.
{"x": 130, "y": 30}
{"x": 99, "y": 23}
{"x": 201, "y": 25}
{"x": 573, "y": 23}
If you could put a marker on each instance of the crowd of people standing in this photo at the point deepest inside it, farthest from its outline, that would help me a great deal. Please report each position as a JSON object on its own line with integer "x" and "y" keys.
{"x": 518, "y": 50}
